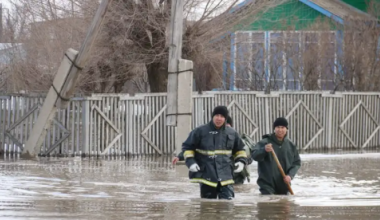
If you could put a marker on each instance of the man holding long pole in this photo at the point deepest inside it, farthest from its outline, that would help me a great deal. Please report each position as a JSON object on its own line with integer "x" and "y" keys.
{"x": 278, "y": 160}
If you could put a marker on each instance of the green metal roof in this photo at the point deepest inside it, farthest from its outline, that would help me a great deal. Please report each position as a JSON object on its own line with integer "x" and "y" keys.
{"x": 295, "y": 15}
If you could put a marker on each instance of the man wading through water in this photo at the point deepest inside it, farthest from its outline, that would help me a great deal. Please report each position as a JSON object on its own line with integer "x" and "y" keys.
{"x": 270, "y": 179}
{"x": 209, "y": 152}
{"x": 239, "y": 178}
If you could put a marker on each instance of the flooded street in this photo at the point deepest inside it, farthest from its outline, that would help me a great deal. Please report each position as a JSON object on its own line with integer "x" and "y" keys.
{"x": 326, "y": 187}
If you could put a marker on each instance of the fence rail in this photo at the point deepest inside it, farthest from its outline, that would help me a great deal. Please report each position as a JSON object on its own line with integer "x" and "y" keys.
{"x": 119, "y": 124}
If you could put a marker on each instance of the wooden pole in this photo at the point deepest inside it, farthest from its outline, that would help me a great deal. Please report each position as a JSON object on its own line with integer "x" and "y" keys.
{"x": 282, "y": 171}
{"x": 175, "y": 53}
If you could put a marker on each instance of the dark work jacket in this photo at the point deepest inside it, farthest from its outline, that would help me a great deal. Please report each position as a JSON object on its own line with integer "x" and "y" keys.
{"x": 215, "y": 151}
{"x": 180, "y": 156}
{"x": 270, "y": 177}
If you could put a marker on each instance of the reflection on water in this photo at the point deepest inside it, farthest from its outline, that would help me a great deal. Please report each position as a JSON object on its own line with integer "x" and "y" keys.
{"x": 327, "y": 187}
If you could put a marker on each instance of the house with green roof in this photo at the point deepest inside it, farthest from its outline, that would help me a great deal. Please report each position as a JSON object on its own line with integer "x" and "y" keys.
{"x": 295, "y": 20}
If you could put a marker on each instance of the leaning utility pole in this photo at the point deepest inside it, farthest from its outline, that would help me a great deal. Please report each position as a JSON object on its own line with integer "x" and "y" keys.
{"x": 180, "y": 79}
{"x": 64, "y": 83}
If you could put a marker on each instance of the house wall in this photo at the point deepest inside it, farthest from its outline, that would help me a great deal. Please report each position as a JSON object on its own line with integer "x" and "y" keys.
{"x": 291, "y": 15}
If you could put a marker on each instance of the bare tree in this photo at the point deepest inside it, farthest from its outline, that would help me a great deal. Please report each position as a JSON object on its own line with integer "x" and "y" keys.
{"x": 137, "y": 32}
{"x": 360, "y": 61}
{"x": 133, "y": 47}
{"x": 141, "y": 81}
{"x": 45, "y": 30}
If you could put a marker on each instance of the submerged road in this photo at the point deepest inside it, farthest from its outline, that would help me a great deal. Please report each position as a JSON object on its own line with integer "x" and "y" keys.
{"x": 327, "y": 187}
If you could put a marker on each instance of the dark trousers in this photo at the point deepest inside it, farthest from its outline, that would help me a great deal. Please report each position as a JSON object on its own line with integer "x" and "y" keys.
{"x": 273, "y": 192}
{"x": 221, "y": 192}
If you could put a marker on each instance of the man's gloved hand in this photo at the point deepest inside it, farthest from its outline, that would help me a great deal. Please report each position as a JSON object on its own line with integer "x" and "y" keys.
{"x": 240, "y": 167}
{"x": 194, "y": 168}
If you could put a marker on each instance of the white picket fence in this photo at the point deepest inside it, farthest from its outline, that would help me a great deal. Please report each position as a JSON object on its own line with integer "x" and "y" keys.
{"x": 119, "y": 124}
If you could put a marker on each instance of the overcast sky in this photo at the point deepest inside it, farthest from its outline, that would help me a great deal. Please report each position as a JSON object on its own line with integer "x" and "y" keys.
{"x": 5, "y": 3}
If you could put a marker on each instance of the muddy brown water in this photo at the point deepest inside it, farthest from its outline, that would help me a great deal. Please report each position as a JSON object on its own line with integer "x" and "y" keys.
{"x": 326, "y": 187}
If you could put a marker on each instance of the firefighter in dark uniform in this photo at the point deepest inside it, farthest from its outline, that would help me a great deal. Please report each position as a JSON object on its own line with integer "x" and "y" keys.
{"x": 180, "y": 157}
{"x": 209, "y": 152}
{"x": 249, "y": 144}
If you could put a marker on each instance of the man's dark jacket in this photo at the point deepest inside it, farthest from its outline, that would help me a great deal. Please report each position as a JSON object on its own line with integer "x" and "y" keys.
{"x": 215, "y": 151}
{"x": 270, "y": 178}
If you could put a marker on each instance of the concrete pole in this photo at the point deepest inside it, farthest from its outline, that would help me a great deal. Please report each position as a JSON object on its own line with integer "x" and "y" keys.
{"x": 83, "y": 54}
{"x": 185, "y": 102}
{"x": 64, "y": 84}
{"x": 49, "y": 109}
{"x": 175, "y": 53}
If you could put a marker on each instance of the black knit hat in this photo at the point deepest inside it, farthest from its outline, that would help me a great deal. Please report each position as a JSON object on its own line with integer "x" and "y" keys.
{"x": 229, "y": 120}
{"x": 222, "y": 110}
{"x": 280, "y": 122}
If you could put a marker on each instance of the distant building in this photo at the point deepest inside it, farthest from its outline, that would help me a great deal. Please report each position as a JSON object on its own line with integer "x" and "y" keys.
{"x": 257, "y": 56}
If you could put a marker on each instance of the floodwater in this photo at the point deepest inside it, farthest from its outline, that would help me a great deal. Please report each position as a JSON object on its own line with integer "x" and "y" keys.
{"x": 327, "y": 187}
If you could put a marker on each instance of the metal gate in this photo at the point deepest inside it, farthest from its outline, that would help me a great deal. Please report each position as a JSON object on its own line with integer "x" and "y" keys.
{"x": 19, "y": 113}
{"x": 129, "y": 125}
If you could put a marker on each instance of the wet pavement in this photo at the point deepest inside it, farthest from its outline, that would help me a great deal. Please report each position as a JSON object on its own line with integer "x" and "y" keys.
{"x": 326, "y": 187}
